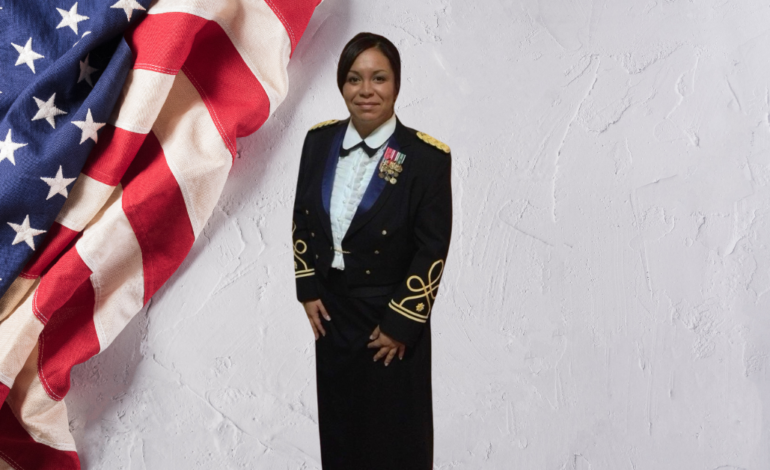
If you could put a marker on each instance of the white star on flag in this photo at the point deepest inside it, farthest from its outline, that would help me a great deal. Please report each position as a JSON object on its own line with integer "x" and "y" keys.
{"x": 128, "y": 6}
{"x": 71, "y": 18}
{"x": 27, "y": 55}
{"x": 89, "y": 128}
{"x": 25, "y": 233}
{"x": 7, "y": 148}
{"x": 58, "y": 184}
{"x": 81, "y": 37}
{"x": 47, "y": 110}
{"x": 86, "y": 71}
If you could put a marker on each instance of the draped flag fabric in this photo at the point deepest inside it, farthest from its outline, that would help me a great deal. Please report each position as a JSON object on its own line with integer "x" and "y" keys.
{"x": 119, "y": 126}
{"x": 59, "y": 69}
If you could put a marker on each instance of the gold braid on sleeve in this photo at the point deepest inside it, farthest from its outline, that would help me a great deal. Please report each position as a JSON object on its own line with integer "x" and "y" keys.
{"x": 425, "y": 294}
{"x": 301, "y": 268}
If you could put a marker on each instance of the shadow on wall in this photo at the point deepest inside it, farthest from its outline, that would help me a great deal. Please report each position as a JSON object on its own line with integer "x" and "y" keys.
{"x": 111, "y": 373}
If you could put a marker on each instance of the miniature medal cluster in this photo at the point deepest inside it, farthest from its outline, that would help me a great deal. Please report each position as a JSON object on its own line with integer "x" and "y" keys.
{"x": 391, "y": 165}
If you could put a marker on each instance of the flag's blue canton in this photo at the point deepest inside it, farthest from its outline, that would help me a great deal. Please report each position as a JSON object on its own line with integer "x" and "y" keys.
{"x": 48, "y": 53}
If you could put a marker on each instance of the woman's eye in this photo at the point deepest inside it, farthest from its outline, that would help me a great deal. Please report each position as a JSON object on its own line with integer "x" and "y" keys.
{"x": 352, "y": 79}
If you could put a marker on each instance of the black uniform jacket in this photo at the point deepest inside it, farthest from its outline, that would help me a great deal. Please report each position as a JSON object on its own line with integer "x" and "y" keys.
{"x": 399, "y": 236}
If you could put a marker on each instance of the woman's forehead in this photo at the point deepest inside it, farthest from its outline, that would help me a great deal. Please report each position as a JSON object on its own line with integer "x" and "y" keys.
{"x": 371, "y": 60}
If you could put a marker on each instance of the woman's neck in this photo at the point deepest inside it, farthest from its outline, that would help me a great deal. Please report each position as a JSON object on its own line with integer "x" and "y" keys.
{"x": 365, "y": 128}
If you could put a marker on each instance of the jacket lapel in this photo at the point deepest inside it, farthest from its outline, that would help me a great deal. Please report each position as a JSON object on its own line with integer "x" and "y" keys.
{"x": 376, "y": 184}
{"x": 327, "y": 180}
{"x": 378, "y": 191}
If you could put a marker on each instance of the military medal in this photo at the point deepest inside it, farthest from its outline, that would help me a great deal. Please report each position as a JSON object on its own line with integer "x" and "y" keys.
{"x": 391, "y": 165}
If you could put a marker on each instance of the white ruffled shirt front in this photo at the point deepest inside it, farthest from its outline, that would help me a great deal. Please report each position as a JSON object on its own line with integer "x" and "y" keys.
{"x": 351, "y": 180}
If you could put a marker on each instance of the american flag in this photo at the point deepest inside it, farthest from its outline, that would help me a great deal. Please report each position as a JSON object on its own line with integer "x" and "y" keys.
{"x": 119, "y": 126}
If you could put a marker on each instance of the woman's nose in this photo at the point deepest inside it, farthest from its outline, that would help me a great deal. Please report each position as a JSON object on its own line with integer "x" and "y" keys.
{"x": 366, "y": 88}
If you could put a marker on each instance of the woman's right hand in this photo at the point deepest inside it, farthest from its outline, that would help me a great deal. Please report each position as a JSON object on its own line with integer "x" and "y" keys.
{"x": 314, "y": 309}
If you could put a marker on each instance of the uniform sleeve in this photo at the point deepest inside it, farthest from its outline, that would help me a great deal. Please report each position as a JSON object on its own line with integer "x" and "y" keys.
{"x": 304, "y": 270}
{"x": 411, "y": 305}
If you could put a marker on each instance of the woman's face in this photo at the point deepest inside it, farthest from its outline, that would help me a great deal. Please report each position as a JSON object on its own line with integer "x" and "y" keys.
{"x": 369, "y": 89}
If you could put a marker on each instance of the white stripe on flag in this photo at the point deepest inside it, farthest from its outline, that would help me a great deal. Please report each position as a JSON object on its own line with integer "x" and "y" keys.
{"x": 194, "y": 150}
{"x": 84, "y": 201}
{"x": 255, "y": 31}
{"x": 15, "y": 295}
{"x": 18, "y": 336}
{"x": 140, "y": 100}
{"x": 42, "y": 417}
{"x": 111, "y": 251}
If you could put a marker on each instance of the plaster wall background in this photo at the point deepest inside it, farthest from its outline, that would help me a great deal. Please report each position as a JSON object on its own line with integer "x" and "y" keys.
{"x": 605, "y": 302}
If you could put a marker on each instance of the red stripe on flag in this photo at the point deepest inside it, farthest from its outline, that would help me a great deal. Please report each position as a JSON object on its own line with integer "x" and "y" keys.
{"x": 62, "y": 282}
{"x": 295, "y": 15}
{"x": 69, "y": 338}
{"x": 155, "y": 207}
{"x": 112, "y": 154}
{"x": 4, "y": 390}
{"x": 234, "y": 97}
{"x": 56, "y": 241}
{"x": 162, "y": 42}
{"x": 23, "y": 453}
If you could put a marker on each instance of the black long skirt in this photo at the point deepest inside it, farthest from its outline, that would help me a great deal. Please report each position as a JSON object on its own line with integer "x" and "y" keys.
{"x": 370, "y": 416}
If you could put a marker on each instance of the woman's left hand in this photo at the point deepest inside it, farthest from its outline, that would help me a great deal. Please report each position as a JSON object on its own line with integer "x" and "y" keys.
{"x": 388, "y": 347}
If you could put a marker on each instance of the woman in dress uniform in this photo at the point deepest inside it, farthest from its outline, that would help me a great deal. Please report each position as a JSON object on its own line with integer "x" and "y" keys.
{"x": 371, "y": 229}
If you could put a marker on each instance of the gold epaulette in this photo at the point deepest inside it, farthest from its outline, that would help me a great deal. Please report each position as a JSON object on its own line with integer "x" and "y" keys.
{"x": 324, "y": 124}
{"x": 434, "y": 142}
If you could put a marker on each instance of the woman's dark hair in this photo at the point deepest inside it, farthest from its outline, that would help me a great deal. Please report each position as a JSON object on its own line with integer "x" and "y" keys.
{"x": 362, "y": 42}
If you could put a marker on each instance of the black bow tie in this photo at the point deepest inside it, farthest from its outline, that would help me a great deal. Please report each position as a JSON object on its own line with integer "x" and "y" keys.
{"x": 369, "y": 151}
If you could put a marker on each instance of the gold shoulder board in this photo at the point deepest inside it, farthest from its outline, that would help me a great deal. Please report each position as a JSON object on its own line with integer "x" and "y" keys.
{"x": 324, "y": 124}
{"x": 433, "y": 141}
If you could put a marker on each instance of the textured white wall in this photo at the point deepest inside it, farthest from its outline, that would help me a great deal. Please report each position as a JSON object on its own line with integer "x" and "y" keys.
{"x": 605, "y": 302}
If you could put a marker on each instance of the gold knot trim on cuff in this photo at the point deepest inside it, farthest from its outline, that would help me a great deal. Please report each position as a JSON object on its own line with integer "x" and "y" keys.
{"x": 433, "y": 141}
{"x": 301, "y": 268}
{"x": 324, "y": 124}
{"x": 426, "y": 294}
